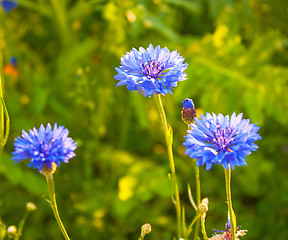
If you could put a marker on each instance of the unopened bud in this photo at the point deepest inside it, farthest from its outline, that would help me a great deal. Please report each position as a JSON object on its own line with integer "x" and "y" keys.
{"x": 145, "y": 229}
{"x": 11, "y": 231}
{"x": 205, "y": 200}
{"x": 203, "y": 207}
{"x": 30, "y": 206}
{"x": 188, "y": 111}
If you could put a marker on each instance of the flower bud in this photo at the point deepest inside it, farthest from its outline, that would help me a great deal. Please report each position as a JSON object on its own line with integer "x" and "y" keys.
{"x": 11, "y": 231}
{"x": 145, "y": 229}
{"x": 30, "y": 206}
{"x": 203, "y": 207}
{"x": 188, "y": 111}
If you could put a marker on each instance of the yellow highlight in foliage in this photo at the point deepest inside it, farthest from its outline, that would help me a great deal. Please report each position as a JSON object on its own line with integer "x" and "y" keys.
{"x": 98, "y": 219}
{"x": 153, "y": 115}
{"x": 157, "y": 2}
{"x": 25, "y": 99}
{"x": 148, "y": 23}
{"x": 126, "y": 185}
{"x": 199, "y": 111}
{"x": 219, "y": 35}
{"x": 123, "y": 157}
{"x": 76, "y": 25}
{"x": 242, "y": 61}
{"x": 195, "y": 47}
{"x": 130, "y": 16}
{"x": 110, "y": 12}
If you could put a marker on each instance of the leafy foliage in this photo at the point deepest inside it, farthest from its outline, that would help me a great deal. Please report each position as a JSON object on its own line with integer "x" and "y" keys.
{"x": 67, "y": 51}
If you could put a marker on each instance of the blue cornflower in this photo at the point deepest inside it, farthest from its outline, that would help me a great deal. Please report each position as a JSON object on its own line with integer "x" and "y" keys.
{"x": 188, "y": 111}
{"x": 151, "y": 71}
{"x": 8, "y": 5}
{"x": 44, "y": 146}
{"x": 13, "y": 61}
{"x": 227, "y": 233}
{"x": 221, "y": 140}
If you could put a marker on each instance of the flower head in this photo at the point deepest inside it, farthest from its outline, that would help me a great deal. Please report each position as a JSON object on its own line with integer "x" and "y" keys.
{"x": 45, "y": 147}
{"x": 227, "y": 233}
{"x": 188, "y": 111}
{"x": 216, "y": 139}
{"x": 11, "y": 69}
{"x": 13, "y": 61}
{"x": 151, "y": 71}
{"x": 8, "y": 5}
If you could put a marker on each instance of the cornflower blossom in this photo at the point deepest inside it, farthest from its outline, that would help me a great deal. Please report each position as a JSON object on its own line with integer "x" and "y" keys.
{"x": 227, "y": 233}
{"x": 216, "y": 139}
{"x": 13, "y": 61}
{"x": 151, "y": 71}
{"x": 8, "y": 5}
{"x": 44, "y": 147}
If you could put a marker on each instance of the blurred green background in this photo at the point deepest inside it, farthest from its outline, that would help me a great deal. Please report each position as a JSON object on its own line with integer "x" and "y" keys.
{"x": 237, "y": 54}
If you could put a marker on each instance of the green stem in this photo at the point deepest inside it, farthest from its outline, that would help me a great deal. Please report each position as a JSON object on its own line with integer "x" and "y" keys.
{"x": 21, "y": 225}
{"x": 198, "y": 194}
{"x": 169, "y": 137}
{"x": 203, "y": 226}
{"x": 184, "y": 228}
{"x": 50, "y": 182}
{"x": 198, "y": 198}
{"x": 60, "y": 11}
{"x": 229, "y": 201}
{"x": 2, "y": 230}
{"x": 198, "y": 187}
{"x": 1, "y": 81}
{"x": 189, "y": 229}
{"x": 4, "y": 117}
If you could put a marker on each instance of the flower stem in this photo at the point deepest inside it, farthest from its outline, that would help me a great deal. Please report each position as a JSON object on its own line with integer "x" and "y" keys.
{"x": 189, "y": 229}
{"x": 169, "y": 140}
{"x": 50, "y": 182}
{"x": 1, "y": 80}
{"x": 4, "y": 117}
{"x": 198, "y": 194}
{"x": 229, "y": 201}
{"x": 198, "y": 198}
{"x": 2, "y": 230}
{"x": 21, "y": 225}
{"x": 203, "y": 226}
